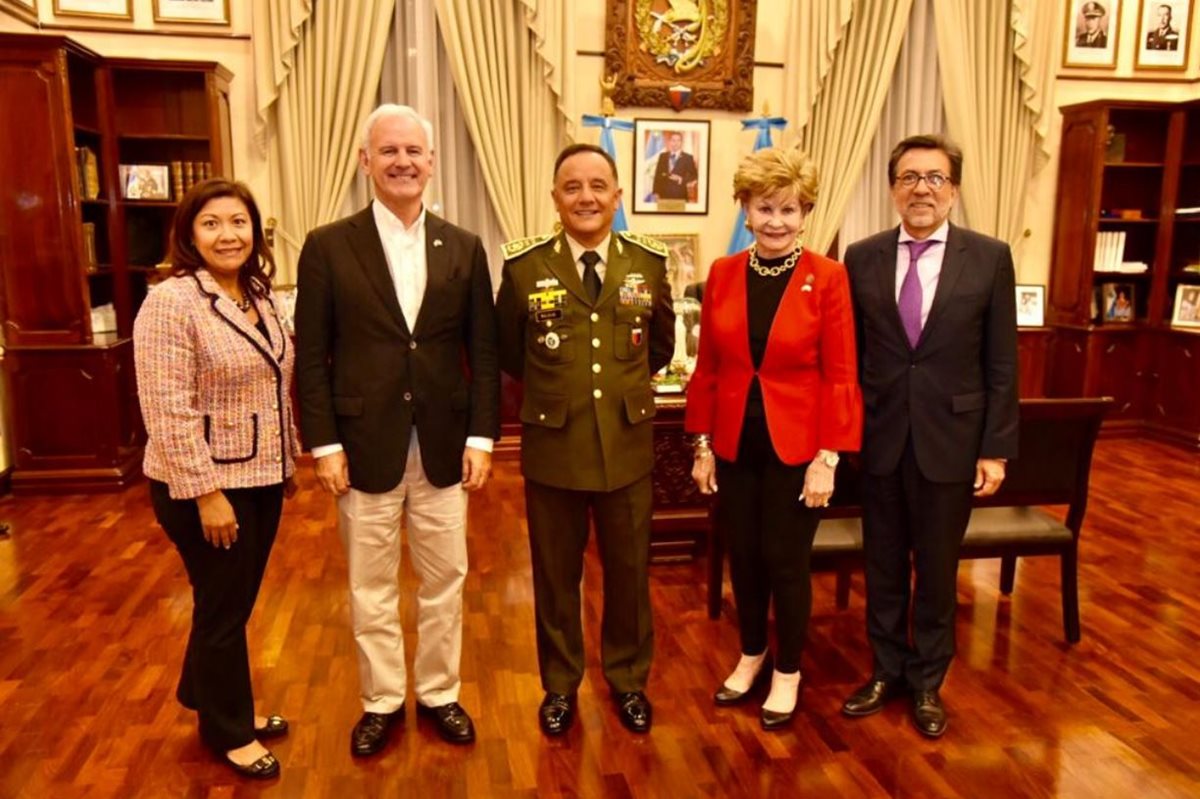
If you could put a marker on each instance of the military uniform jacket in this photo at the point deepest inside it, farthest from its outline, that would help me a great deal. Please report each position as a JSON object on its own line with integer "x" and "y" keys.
{"x": 587, "y": 406}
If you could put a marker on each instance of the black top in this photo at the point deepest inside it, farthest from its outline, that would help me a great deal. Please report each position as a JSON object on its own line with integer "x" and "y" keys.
{"x": 262, "y": 328}
{"x": 763, "y": 295}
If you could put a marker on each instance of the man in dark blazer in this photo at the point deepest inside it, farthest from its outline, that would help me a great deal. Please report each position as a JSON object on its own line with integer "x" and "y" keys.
{"x": 585, "y": 320}
{"x": 935, "y": 312}
{"x": 675, "y": 174}
{"x": 399, "y": 394}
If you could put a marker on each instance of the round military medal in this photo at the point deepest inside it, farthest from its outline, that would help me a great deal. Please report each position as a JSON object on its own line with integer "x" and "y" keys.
{"x": 552, "y": 341}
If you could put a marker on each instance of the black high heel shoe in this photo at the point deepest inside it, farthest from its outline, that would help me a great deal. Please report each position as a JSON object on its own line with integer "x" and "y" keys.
{"x": 725, "y": 696}
{"x": 773, "y": 720}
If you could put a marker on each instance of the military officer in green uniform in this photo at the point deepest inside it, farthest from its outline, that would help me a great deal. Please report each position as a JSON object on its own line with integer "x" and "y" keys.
{"x": 585, "y": 320}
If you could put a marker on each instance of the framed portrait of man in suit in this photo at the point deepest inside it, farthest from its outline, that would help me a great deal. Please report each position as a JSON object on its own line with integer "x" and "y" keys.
{"x": 1092, "y": 33}
{"x": 1164, "y": 33}
{"x": 670, "y": 166}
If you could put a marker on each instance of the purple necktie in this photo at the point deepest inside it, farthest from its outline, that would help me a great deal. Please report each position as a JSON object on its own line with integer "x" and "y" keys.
{"x": 909, "y": 303}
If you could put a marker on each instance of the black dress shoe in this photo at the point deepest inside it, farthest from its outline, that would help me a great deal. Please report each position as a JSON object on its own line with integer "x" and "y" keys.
{"x": 276, "y": 727}
{"x": 871, "y": 697}
{"x": 453, "y": 723}
{"x": 372, "y": 731}
{"x": 633, "y": 708}
{"x": 929, "y": 714}
{"x": 557, "y": 713}
{"x": 726, "y": 696}
{"x": 265, "y": 768}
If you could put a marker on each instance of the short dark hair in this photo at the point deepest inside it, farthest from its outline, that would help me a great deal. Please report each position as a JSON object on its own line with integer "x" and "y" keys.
{"x": 581, "y": 147}
{"x": 255, "y": 275}
{"x": 928, "y": 141}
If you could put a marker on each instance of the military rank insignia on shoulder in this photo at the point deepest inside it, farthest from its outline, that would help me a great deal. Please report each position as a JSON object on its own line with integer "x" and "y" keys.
{"x": 648, "y": 243}
{"x": 517, "y": 247}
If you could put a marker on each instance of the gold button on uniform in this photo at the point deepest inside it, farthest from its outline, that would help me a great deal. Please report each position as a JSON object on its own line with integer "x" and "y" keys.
{"x": 541, "y": 417}
{"x": 596, "y": 343}
{"x": 597, "y": 393}
{"x": 595, "y": 317}
{"x": 596, "y": 368}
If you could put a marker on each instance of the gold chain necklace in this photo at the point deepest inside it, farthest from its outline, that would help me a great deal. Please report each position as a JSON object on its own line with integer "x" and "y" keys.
{"x": 773, "y": 271}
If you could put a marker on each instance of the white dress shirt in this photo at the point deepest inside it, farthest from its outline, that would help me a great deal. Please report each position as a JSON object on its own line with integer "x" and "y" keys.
{"x": 577, "y": 251}
{"x": 404, "y": 248}
{"x": 929, "y": 267}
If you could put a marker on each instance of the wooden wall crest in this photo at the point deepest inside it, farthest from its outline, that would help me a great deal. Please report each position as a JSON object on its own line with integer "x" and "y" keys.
{"x": 703, "y": 49}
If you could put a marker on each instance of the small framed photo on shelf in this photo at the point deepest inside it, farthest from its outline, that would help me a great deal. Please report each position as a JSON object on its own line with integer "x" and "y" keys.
{"x": 96, "y": 9}
{"x": 670, "y": 166}
{"x": 145, "y": 181}
{"x": 1117, "y": 302}
{"x": 1187, "y": 306}
{"x": 1031, "y": 305}
{"x": 1092, "y": 33}
{"x": 683, "y": 251}
{"x": 195, "y": 12}
{"x": 1164, "y": 33}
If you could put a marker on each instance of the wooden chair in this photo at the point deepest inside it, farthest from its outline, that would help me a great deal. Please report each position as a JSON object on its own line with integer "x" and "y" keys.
{"x": 1057, "y": 437}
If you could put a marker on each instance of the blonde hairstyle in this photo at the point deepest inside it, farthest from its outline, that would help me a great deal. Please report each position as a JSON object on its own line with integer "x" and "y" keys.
{"x": 775, "y": 169}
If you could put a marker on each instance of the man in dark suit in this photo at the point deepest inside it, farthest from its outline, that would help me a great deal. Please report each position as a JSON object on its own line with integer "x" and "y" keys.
{"x": 1093, "y": 33}
{"x": 585, "y": 320}
{"x": 675, "y": 174}
{"x": 935, "y": 311}
{"x": 399, "y": 395}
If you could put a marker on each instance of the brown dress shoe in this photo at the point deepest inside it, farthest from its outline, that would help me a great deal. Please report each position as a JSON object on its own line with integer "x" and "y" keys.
{"x": 871, "y": 697}
{"x": 929, "y": 714}
{"x": 372, "y": 731}
{"x": 453, "y": 723}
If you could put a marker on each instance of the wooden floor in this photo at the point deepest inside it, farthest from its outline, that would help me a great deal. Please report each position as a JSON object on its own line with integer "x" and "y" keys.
{"x": 94, "y": 608}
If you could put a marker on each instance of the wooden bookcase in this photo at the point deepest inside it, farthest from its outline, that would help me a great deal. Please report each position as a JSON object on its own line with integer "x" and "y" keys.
{"x": 72, "y": 396}
{"x": 1132, "y": 186}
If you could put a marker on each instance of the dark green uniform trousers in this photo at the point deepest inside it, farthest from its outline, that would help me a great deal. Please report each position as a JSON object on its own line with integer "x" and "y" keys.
{"x": 558, "y": 533}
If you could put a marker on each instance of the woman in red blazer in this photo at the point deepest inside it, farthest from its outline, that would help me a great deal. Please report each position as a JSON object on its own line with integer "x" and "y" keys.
{"x": 773, "y": 399}
{"x": 214, "y": 368}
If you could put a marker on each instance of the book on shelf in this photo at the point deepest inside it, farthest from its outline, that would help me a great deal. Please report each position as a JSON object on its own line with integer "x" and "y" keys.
{"x": 1110, "y": 251}
{"x": 177, "y": 188}
{"x": 189, "y": 175}
{"x": 89, "y": 173}
{"x": 1190, "y": 210}
{"x": 89, "y": 245}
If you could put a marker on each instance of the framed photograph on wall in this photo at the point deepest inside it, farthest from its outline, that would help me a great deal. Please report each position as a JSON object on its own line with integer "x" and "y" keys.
{"x": 96, "y": 9}
{"x": 1031, "y": 305}
{"x": 1092, "y": 33}
{"x": 1117, "y": 302}
{"x": 1164, "y": 33}
{"x": 683, "y": 271}
{"x": 670, "y": 166}
{"x": 1187, "y": 306}
{"x": 198, "y": 12}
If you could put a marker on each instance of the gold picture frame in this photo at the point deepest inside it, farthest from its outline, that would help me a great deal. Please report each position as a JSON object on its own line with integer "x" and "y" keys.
{"x": 95, "y": 9}
{"x": 1187, "y": 306}
{"x": 1092, "y": 34}
{"x": 192, "y": 12}
{"x": 25, "y": 10}
{"x": 667, "y": 54}
{"x": 1164, "y": 44}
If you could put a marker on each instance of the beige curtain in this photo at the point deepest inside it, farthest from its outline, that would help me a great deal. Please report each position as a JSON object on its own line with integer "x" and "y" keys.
{"x": 277, "y": 26}
{"x": 914, "y": 105}
{"x": 416, "y": 72}
{"x": 844, "y": 118}
{"x": 506, "y": 85}
{"x": 997, "y": 103}
{"x": 815, "y": 29}
{"x": 313, "y": 125}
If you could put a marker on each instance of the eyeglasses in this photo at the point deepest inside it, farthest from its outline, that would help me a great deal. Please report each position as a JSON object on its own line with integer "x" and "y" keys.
{"x": 934, "y": 180}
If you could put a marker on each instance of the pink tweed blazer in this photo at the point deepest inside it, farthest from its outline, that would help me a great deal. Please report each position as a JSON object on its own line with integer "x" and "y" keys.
{"x": 214, "y": 393}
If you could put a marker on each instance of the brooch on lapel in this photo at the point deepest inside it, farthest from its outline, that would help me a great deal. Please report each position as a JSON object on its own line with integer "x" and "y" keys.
{"x": 808, "y": 281}
{"x": 437, "y": 242}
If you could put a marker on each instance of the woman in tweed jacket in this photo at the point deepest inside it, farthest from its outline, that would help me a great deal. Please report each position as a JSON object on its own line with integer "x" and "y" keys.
{"x": 214, "y": 368}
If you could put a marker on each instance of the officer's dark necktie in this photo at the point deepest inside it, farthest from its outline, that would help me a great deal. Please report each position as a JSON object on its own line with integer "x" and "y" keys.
{"x": 910, "y": 300}
{"x": 591, "y": 280}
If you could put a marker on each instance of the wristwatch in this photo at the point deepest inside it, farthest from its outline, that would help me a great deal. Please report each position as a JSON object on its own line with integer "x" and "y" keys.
{"x": 827, "y": 457}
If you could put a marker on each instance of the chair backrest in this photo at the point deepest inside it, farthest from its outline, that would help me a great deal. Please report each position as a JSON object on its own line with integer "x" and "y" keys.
{"x": 1056, "y": 440}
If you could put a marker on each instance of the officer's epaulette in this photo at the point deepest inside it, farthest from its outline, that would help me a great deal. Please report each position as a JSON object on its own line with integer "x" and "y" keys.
{"x": 645, "y": 242}
{"x": 521, "y": 246}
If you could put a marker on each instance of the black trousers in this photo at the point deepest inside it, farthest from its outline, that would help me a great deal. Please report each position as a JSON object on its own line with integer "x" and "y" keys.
{"x": 215, "y": 681}
{"x": 911, "y": 524}
{"x": 769, "y": 533}
{"x": 558, "y": 533}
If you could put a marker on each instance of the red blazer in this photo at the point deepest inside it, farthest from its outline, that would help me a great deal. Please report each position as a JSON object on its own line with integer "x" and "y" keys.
{"x": 809, "y": 374}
